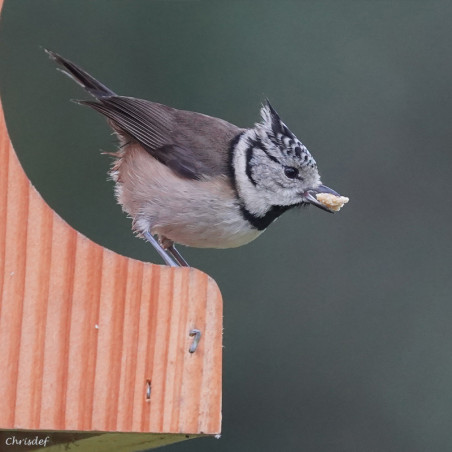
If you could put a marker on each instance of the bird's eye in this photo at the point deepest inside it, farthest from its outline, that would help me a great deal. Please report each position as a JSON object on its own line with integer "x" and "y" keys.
{"x": 291, "y": 172}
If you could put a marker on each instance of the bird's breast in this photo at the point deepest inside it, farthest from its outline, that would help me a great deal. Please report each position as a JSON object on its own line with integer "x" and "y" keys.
{"x": 198, "y": 213}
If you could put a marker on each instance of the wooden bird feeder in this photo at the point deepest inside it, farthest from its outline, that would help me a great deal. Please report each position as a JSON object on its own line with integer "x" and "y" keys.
{"x": 97, "y": 348}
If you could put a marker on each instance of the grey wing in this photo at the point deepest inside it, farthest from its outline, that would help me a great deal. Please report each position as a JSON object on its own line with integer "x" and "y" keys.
{"x": 193, "y": 145}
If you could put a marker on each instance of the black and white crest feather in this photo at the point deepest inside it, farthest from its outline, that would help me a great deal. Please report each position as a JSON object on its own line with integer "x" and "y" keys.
{"x": 282, "y": 137}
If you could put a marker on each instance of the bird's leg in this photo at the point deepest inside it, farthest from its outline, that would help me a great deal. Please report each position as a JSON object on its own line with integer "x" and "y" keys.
{"x": 178, "y": 256}
{"x": 168, "y": 245}
{"x": 162, "y": 252}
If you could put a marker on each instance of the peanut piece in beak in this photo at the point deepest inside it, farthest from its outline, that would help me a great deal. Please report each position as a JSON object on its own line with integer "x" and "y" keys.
{"x": 332, "y": 202}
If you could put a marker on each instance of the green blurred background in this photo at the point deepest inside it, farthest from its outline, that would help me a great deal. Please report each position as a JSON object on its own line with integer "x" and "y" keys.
{"x": 338, "y": 330}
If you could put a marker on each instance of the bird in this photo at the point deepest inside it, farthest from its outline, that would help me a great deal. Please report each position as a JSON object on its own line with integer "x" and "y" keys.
{"x": 191, "y": 179}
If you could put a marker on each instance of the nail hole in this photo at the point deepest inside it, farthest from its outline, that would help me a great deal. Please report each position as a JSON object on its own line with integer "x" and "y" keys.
{"x": 148, "y": 389}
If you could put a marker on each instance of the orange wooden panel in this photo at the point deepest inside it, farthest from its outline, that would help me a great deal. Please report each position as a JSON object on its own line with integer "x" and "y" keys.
{"x": 83, "y": 329}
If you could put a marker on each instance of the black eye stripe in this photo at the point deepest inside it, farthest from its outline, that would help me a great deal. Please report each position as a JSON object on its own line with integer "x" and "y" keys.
{"x": 271, "y": 157}
{"x": 257, "y": 143}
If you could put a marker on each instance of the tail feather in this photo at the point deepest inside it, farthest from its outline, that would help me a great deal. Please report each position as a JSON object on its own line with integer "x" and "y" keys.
{"x": 85, "y": 80}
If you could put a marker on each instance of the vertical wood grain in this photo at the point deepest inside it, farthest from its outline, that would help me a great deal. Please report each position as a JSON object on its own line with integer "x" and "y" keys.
{"x": 82, "y": 329}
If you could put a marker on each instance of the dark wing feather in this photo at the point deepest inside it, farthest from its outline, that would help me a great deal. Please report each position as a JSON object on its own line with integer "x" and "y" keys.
{"x": 76, "y": 73}
{"x": 191, "y": 144}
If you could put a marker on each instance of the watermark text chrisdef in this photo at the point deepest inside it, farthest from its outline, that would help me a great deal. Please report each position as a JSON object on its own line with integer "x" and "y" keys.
{"x": 36, "y": 441}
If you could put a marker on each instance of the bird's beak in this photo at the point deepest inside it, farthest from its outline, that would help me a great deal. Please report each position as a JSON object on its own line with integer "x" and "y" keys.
{"x": 309, "y": 196}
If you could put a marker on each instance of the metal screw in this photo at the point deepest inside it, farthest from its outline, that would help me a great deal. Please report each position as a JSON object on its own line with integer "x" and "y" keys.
{"x": 196, "y": 335}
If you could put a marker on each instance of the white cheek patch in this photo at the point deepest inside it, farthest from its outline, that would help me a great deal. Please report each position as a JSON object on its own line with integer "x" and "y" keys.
{"x": 252, "y": 197}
